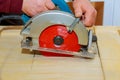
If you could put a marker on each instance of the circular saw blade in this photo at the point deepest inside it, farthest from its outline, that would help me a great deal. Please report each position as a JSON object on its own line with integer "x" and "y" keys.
{"x": 57, "y": 37}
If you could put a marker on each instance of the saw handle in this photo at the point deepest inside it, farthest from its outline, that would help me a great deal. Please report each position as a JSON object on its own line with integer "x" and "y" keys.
{"x": 61, "y": 4}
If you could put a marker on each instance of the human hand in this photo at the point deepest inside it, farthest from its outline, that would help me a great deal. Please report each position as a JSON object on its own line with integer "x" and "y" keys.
{"x": 85, "y": 11}
{"x": 33, "y": 7}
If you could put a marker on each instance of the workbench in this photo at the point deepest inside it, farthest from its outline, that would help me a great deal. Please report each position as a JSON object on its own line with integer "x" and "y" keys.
{"x": 16, "y": 64}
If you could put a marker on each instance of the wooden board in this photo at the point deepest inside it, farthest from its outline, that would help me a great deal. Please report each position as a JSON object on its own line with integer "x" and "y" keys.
{"x": 15, "y": 65}
{"x": 109, "y": 49}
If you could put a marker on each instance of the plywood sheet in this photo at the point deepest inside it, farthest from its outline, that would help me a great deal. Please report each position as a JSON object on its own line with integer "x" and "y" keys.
{"x": 109, "y": 49}
{"x": 15, "y": 65}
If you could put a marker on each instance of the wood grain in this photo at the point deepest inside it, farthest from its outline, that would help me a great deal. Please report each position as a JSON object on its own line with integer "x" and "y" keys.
{"x": 15, "y": 65}
{"x": 109, "y": 48}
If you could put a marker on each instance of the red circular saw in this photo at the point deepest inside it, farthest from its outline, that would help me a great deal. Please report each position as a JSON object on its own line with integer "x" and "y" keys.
{"x": 51, "y": 33}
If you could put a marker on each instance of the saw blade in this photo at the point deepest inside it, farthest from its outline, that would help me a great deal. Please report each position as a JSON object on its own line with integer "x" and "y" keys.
{"x": 57, "y": 37}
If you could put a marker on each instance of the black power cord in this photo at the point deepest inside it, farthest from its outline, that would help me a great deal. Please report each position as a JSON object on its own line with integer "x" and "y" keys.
{"x": 10, "y": 19}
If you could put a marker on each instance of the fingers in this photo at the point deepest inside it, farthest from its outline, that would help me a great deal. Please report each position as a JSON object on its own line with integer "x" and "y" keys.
{"x": 77, "y": 9}
{"x": 85, "y": 11}
{"x": 34, "y": 7}
{"x": 90, "y": 17}
{"x": 50, "y": 5}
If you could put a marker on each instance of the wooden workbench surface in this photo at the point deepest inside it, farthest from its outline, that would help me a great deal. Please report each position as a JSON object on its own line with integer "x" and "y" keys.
{"x": 109, "y": 49}
{"x": 18, "y": 65}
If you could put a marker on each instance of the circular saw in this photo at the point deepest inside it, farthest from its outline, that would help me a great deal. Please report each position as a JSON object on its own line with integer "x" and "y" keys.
{"x": 57, "y": 33}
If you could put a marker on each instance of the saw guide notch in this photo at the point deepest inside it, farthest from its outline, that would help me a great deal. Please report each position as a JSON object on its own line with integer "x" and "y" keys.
{"x": 119, "y": 31}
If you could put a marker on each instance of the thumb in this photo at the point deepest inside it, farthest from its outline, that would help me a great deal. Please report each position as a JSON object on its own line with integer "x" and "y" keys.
{"x": 78, "y": 12}
{"x": 77, "y": 9}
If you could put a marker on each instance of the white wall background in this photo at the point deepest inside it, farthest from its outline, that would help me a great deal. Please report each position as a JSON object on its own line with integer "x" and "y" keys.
{"x": 111, "y": 13}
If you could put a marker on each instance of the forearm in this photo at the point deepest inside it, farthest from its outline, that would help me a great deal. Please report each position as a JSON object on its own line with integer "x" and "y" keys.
{"x": 11, "y": 6}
